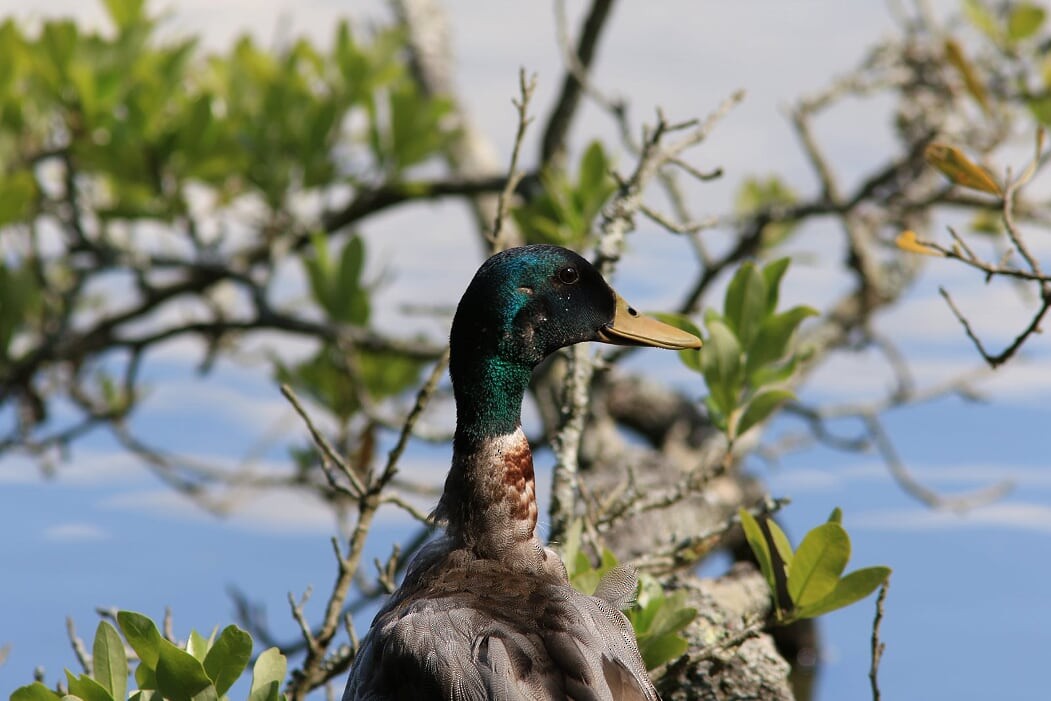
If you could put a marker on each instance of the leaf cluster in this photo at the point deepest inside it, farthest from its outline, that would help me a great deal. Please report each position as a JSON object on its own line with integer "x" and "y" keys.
{"x": 808, "y": 582}
{"x": 204, "y": 670}
{"x": 563, "y": 213}
{"x": 747, "y": 353}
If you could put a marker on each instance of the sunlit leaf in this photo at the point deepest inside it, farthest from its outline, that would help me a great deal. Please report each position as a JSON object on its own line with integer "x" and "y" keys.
{"x": 1025, "y": 20}
{"x": 760, "y": 548}
{"x": 143, "y": 636}
{"x": 86, "y": 688}
{"x": 960, "y": 169}
{"x": 853, "y": 587}
{"x": 109, "y": 662}
{"x": 34, "y": 692}
{"x": 228, "y": 657}
{"x": 267, "y": 676}
{"x": 817, "y": 564}
{"x": 907, "y": 241}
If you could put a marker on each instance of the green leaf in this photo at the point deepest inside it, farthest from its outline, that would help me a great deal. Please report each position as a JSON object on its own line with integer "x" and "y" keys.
{"x": 34, "y": 692}
{"x": 817, "y": 564}
{"x": 746, "y": 300}
{"x": 761, "y": 406}
{"x": 86, "y": 688}
{"x": 267, "y": 676}
{"x": 18, "y": 196}
{"x": 146, "y": 677}
{"x": 771, "y": 341}
{"x": 772, "y": 274}
{"x": 181, "y": 677}
{"x": 836, "y": 516}
{"x": 660, "y": 649}
{"x": 1024, "y": 21}
{"x": 854, "y": 587}
{"x": 228, "y": 657}
{"x": 125, "y": 13}
{"x": 142, "y": 635}
{"x": 197, "y": 646}
{"x": 109, "y": 662}
{"x": 982, "y": 18}
{"x": 721, "y": 365}
{"x": 781, "y": 542}
{"x": 760, "y": 548}
{"x": 691, "y": 357}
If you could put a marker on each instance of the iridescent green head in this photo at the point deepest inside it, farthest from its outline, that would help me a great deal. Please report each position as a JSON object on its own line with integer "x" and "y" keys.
{"x": 522, "y": 305}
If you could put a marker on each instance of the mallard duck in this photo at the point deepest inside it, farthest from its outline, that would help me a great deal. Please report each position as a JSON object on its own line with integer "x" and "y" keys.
{"x": 487, "y": 611}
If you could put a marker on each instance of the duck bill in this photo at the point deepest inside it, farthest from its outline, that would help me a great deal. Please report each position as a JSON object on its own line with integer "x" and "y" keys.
{"x": 629, "y": 328}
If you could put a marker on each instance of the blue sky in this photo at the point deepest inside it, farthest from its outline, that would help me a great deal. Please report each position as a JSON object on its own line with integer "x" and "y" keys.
{"x": 967, "y": 591}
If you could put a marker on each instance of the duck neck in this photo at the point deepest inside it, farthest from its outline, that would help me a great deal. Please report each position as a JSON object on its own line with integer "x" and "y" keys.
{"x": 489, "y": 501}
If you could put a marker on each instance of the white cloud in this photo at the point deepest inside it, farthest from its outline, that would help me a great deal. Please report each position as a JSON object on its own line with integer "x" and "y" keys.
{"x": 74, "y": 533}
{"x": 1024, "y": 516}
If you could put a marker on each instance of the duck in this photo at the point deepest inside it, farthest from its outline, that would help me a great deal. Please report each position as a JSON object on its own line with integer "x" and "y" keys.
{"x": 486, "y": 611}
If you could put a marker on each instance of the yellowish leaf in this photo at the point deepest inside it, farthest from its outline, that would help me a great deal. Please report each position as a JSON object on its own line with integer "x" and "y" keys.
{"x": 907, "y": 241}
{"x": 956, "y": 166}
{"x": 954, "y": 55}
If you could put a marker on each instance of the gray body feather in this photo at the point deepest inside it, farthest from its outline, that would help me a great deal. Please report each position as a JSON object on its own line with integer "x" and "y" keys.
{"x": 463, "y": 628}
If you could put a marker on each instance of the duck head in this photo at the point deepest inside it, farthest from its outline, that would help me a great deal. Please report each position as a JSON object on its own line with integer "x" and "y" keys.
{"x": 522, "y": 305}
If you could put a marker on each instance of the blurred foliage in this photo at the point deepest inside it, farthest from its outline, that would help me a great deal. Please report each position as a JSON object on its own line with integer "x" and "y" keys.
{"x": 564, "y": 213}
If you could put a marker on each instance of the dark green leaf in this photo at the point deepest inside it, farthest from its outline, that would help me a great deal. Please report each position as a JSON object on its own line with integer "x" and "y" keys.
{"x": 268, "y": 675}
{"x": 773, "y": 272}
{"x": 760, "y": 548}
{"x": 142, "y": 635}
{"x": 761, "y": 406}
{"x": 86, "y": 688}
{"x": 721, "y": 365}
{"x": 817, "y": 564}
{"x": 181, "y": 677}
{"x": 781, "y": 542}
{"x": 771, "y": 341}
{"x": 836, "y": 516}
{"x": 854, "y": 587}
{"x": 228, "y": 657}
{"x": 109, "y": 662}
{"x": 657, "y": 650}
{"x": 746, "y": 300}
{"x": 34, "y": 692}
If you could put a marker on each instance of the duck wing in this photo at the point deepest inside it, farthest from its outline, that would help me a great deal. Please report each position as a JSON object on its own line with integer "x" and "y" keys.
{"x": 480, "y": 631}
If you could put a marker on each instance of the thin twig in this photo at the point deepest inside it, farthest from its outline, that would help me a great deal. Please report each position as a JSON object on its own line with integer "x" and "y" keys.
{"x": 877, "y": 645}
{"x": 526, "y": 89}
{"x": 78, "y": 646}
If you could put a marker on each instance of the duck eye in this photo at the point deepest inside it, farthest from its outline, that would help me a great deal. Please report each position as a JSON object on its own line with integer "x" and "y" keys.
{"x": 568, "y": 276}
